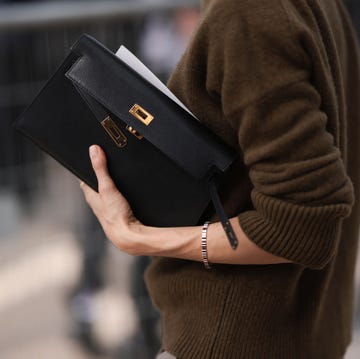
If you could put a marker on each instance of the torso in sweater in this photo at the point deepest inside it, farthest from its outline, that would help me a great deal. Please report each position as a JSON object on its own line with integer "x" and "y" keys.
{"x": 278, "y": 81}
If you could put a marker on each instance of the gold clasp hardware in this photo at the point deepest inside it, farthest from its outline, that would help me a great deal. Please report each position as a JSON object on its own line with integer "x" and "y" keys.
{"x": 114, "y": 132}
{"x": 142, "y": 115}
{"x": 134, "y": 132}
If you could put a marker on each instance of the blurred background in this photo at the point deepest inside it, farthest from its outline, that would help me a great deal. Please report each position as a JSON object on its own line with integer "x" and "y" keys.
{"x": 65, "y": 292}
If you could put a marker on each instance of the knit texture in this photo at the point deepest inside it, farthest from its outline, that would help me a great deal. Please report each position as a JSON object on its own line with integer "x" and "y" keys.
{"x": 279, "y": 82}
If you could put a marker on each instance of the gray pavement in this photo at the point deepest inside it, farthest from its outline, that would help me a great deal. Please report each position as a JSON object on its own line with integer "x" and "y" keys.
{"x": 40, "y": 262}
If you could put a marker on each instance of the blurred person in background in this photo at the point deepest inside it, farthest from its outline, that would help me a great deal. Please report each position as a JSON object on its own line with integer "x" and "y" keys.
{"x": 279, "y": 83}
{"x": 165, "y": 37}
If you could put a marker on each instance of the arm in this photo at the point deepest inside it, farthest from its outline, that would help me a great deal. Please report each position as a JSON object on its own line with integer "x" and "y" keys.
{"x": 131, "y": 236}
{"x": 261, "y": 84}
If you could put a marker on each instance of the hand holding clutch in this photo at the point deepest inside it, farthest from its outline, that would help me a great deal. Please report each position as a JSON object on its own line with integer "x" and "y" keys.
{"x": 128, "y": 234}
{"x": 121, "y": 226}
{"x": 109, "y": 206}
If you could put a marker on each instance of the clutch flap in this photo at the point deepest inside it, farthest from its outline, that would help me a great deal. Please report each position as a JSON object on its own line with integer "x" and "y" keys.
{"x": 124, "y": 93}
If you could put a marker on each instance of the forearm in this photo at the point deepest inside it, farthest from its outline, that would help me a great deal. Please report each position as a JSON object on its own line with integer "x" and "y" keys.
{"x": 128, "y": 234}
{"x": 185, "y": 243}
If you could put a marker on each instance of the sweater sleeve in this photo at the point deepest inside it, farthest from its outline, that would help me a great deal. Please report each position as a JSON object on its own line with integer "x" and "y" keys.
{"x": 301, "y": 191}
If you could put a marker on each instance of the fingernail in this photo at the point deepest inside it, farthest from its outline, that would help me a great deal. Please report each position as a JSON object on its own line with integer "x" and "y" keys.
{"x": 93, "y": 151}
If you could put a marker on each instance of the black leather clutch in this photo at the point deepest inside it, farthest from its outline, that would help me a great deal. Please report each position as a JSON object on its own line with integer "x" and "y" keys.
{"x": 165, "y": 162}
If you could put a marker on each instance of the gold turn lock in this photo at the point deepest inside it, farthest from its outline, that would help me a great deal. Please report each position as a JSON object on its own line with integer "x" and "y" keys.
{"x": 114, "y": 132}
{"x": 141, "y": 114}
{"x": 134, "y": 132}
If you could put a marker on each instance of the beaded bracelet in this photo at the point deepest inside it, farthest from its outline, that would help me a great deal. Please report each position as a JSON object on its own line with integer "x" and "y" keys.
{"x": 204, "y": 245}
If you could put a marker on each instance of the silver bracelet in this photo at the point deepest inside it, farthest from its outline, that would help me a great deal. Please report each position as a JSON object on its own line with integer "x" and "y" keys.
{"x": 204, "y": 245}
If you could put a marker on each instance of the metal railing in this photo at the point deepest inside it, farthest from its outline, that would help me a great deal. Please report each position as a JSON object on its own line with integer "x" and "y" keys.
{"x": 60, "y": 13}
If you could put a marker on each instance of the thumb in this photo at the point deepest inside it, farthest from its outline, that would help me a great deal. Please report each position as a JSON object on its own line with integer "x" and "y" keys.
{"x": 99, "y": 164}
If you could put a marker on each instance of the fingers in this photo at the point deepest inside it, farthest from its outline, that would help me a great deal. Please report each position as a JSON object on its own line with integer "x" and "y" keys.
{"x": 90, "y": 194}
{"x": 98, "y": 161}
{"x": 108, "y": 204}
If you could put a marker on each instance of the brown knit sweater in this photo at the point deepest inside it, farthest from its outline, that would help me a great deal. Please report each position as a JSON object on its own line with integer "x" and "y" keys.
{"x": 279, "y": 81}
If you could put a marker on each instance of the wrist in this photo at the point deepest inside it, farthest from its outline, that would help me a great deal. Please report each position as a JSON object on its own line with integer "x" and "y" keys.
{"x": 175, "y": 242}
{"x": 134, "y": 228}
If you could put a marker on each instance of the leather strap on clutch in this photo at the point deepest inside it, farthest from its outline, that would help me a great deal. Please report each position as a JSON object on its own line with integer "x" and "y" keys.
{"x": 221, "y": 214}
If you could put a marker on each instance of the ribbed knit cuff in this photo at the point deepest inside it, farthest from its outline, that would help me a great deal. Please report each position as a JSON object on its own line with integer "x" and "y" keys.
{"x": 302, "y": 234}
